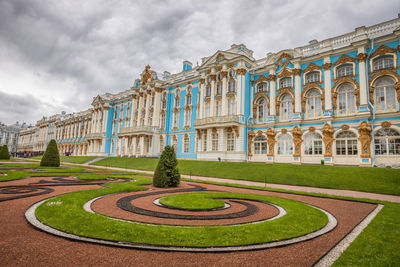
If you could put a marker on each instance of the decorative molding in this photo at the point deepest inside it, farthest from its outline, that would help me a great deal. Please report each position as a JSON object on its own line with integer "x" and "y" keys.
{"x": 198, "y": 133}
{"x": 259, "y": 132}
{"x": 309, "y": 87}
{"x": 327, "y": 138}
{"x": 345, "y": 127}
{"x": 283, "y": 63}
{"x": 271, "y": 141}
{"x": 207, "y": 100}
{"x": 386, "y": 124}
{"x": 256, "y": 98}
{"x": 327, "y": 66}
{"x": 311, "y": 67}
{"x": 278, "y": 101}
{"x": 260, "y": 79}
{"x": 382, "y": 50}
{"x": 297, "y": 134}
{"x": 241, "y": 72}
{"x": 187, "y": 127}
{"x": 213, "y": 77}
{"x": 377, "y": 75}
{"x": 218, "y": 98}
{"x": 311, "y": 129}
{"x": 224, "y": 74}
{"x": 158, "y": 89}
{"x": 284, "y": 131}
{"x": 236, "y": 128}
{"x": 362, "y": 57}
{"x": 340, "y": 82}
{"x": 202, "y": 80}
{"x": 343, "y": 59}
{"x": 271, "y": 77}
{"x": 231, "y": 95}
{"x": 285, "y": 73}
{"x": 297, "y": 72}
{"x": 250, "y": 142}
{"x": 175, "y": 129}
{"x": 364, "y": 130}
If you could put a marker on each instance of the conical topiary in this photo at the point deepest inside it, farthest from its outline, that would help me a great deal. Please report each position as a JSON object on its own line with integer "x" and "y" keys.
{"x": 51, "y": 157}
{"x": 167, "y": 173}
{"x": 4, "y": 154}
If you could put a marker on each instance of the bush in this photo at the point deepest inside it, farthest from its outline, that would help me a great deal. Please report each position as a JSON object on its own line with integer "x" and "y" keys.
{"x": 51, "y": 157}
{"x": 167, "y": 173}
{"x": 4, "y": 154}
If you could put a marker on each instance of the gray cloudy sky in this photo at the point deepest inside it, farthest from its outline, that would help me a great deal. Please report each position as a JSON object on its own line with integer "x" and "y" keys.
{"x": 57, "y": 55}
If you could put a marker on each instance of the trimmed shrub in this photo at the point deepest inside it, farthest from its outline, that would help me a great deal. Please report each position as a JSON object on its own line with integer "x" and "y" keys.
{"x": 4, "y": 154}
{"x": 51, "y": 157}
{"x": 167, "y": 173}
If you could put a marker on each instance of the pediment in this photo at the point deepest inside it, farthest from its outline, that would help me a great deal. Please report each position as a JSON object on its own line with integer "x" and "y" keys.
{"x": 97, "y": 100}
{"x": 221, "y": 56}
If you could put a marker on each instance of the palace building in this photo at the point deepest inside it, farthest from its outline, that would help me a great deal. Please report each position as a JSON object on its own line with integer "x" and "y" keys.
{"x": 335, "y": 100}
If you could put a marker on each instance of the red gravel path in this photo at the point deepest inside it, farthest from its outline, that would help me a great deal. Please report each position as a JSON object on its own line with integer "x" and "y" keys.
{"x": 21, "y": 245}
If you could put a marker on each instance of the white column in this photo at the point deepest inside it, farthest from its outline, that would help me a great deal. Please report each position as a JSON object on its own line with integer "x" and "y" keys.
{"x": 272, "y": 101}
{"x": 361, "y": 57}
{"x": 140, "y": 110}
{"x": 201, "y": 96}
{"x": 224, "y": 110}
{"x": 156, "y": 108}
{"x": 141, "y": 140}
{"x": 134, "y": 145}
{"x": 213, "y": 91}
{"x": 327, "y": 83}
{"x": 297, "y": 89}
{"x": 146, "y": 109}
{"x": 239, "y": 91}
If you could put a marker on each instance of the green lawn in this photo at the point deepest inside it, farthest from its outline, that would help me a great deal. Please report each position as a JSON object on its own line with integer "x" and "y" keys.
{"x": 72, "y": 159}
{"x": 375, "y": 180}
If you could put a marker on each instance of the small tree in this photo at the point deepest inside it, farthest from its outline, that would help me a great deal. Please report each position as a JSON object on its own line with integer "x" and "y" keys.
{"x": 167, "y": 173}
{"x": 4, "y": 154}
{"x": 51, "y": 157}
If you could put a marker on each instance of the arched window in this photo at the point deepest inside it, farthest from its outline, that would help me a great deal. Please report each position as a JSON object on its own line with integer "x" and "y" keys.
{"x": 162, "y": 144}
{"x": 262, "y": 110}
{"x": 188, "y": 117}
{"x": 285, "y": 82}
{"x": 208, "y": 91}
{"x": 260, "y": 145}
{"x": 385, "y": 95}
{"x": 286, "y": 108}
{"x": 285, "y": 144}
{"x": 162, "y": 118}
{"x": 207, "y": 110}
{"x": 232, "y": 73}
{"x": 383, "y": 62}
{"x": 232, "y": 85}
{"x": 387, "y": 142}
{"x": 218, "y": 108}
{"x": 176, "y": 119}
{"x": 164, "y": 101}
{"x": 188, "y": 99}
{"x": 175, "y": 143}
{"x": 177, "y": 100}
{"x": 230, "y": 141}
{"x": 344, "y": 70}
{"x": 312, "y": 77}
{"x": 262, "y": 87}
{"x": 346, "y": 99}
{"x": 313, "y": 144}
{"x": 314, "y": 105}
{"x": 186, "y": 144}
{"x": 346, "y": 143}
{"x": 231, "y": 106}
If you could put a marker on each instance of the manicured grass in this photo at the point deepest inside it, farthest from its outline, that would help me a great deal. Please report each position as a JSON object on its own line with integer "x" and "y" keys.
{"x": 197, "y": 201}
{"x": 72, "y": 159}
{"x": 375, "y": 180}
{"x": 69, "y": 216}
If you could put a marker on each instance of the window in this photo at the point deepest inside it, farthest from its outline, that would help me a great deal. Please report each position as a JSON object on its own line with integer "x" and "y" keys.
{"x": 344, "y": 70}
{"x": 188, "y": 99}
{"x": 207, "y": 110}
{"x": 385, "y": 95}
{"x": 285, "y": 144}
{"x": 232, "y": 73}
{"x": 186, "y": 144}
{"x": 260, "y": 145}
{"x": 188, "y": 117}
{"x": 218, "y": 108}
{"x": 205, "y": 141}
{"x": 232, "y": 86}
{"x": 164, "y": 101}
{"x": 177, "y": 102}
{"x": 346, "y": 100}
{"x": 262, "y": 87}
{"x": 383, "y": 63}
{"x": 231, "y": 106}
{"x": 346, "y": 143}
{"x": 314, "y": 108}
{"x": 285, "y": 82}
{"x": 313, "y": 144}
{"x": 162, "y": 144}
{"x": 150, "y": 119}
{"x": 312, "y": 77}
{"x": 176, "y": 119}
{"x": 208, "y": 91}
{"x": 175, "y": 143}
{"x": 262, "y": 110}
{"x": 162, "y": 118}
{"x": 286, "y": 108}
{"x": 387, "y": 142}
{"x": 230, "y": 142}
{"x": 152, "y": 100}
{"x": 214, "y": 142}
{"x": 219, "y": 88}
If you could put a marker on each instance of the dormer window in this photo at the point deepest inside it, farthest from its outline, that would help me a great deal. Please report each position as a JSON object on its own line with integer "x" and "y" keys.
{"x": 383, "y": 63}
{"x": 312, "y": 77}
{"x": 262, "y": 87}
{"x": 285, "y": 82}
{"x": 345, "y": 70}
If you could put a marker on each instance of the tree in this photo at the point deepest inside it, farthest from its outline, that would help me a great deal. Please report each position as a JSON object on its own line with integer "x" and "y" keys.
{"x": 51, "y": 157}
{"x": 167, "y": 173}
{"x": 4, "y": 154}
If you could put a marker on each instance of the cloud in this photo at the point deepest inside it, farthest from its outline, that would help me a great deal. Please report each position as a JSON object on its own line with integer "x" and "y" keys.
{"x": 64, "y": 52}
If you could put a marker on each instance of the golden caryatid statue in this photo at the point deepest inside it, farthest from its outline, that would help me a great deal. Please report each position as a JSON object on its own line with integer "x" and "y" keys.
{"x": 364, "y": 130}
{"x": 327, "y": 133}
{"x": 250, "y": 143}
{"x": 297, "y": 134}
{"x": 271, "y": 141}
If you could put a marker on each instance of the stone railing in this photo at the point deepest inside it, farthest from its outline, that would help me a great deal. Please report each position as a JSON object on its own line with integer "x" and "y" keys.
{"x": 234, "y": 119}
{"x": 137, "y": 129}
{"x": 94, "y": 135}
